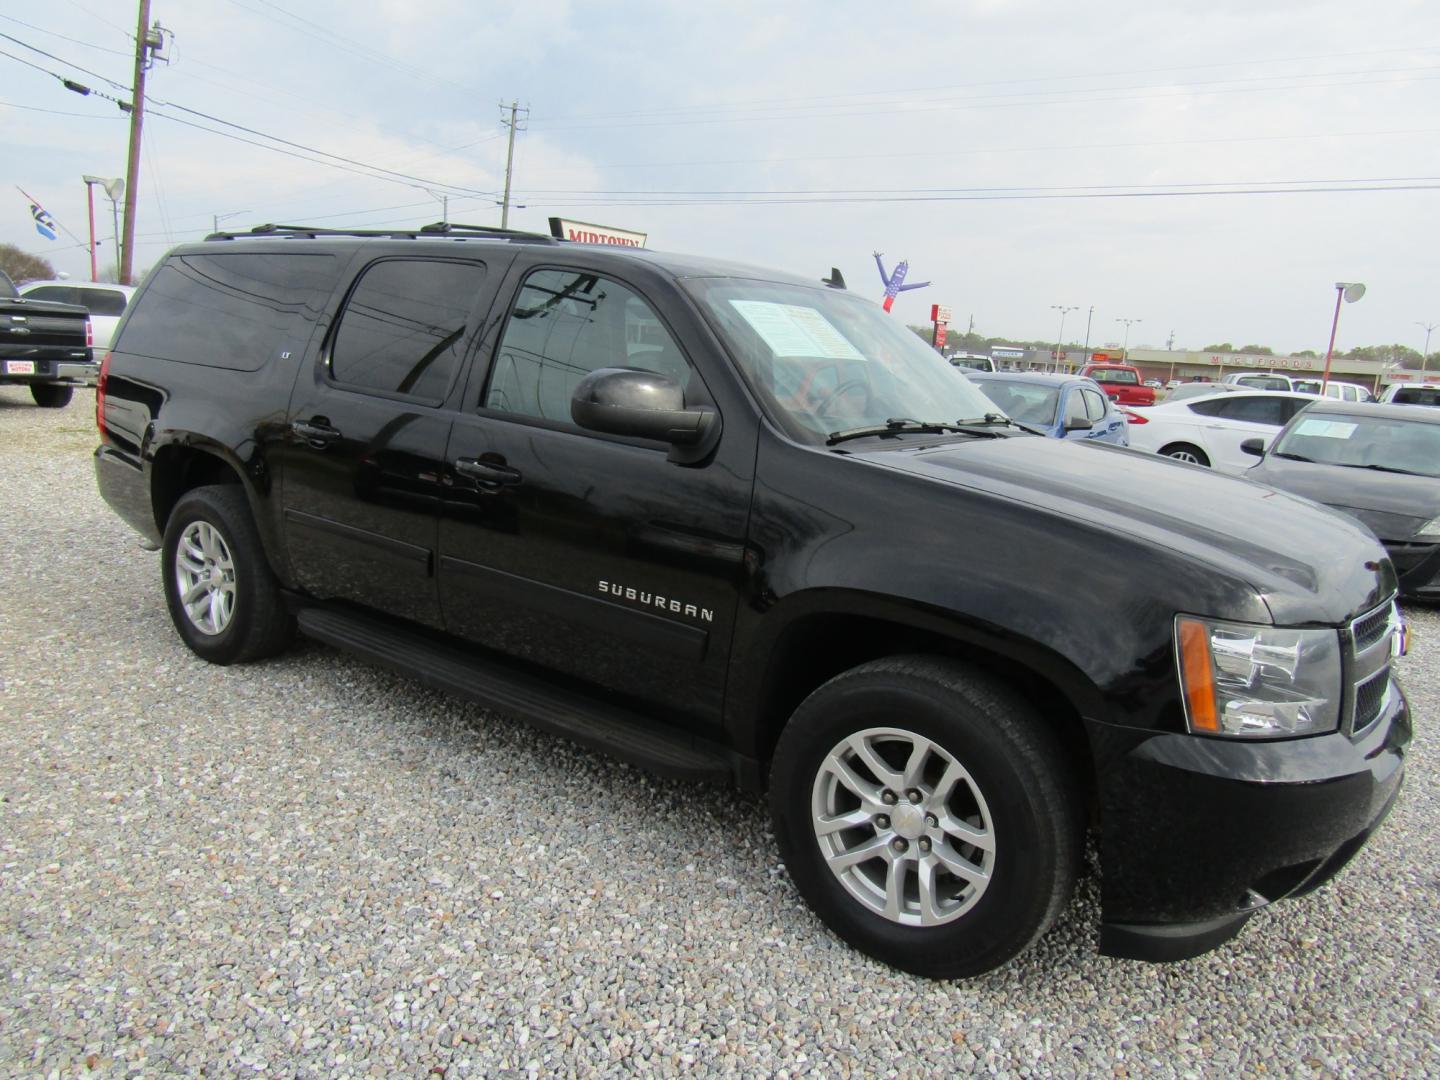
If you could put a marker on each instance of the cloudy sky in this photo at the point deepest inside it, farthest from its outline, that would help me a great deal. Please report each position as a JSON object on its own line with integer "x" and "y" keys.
{"x": 1020, "y": 154}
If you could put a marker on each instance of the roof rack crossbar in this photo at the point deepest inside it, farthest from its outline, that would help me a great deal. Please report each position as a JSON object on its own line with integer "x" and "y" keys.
{"x": 438, "y": 229}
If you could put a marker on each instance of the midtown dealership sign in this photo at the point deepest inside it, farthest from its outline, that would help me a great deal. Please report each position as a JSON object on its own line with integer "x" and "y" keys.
{"x": 584, "y": 232}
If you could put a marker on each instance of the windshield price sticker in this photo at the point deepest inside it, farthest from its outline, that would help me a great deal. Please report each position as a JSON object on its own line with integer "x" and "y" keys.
{"x": 1325, "y": 429}
{"x": 793, "y": 330}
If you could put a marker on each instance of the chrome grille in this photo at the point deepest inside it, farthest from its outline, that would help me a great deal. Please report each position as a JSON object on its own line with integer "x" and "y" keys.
{"x": 1370, "y": 699}
{"x": 1369, "y": 629}
{"x": 1371, "y": 639}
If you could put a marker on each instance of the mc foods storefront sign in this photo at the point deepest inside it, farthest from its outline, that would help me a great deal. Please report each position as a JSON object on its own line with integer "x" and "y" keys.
{"x": 1270, "y": 363}
{"x": 585, "y": 232}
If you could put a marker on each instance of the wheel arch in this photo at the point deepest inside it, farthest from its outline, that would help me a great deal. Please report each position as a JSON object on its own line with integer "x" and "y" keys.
{"x": 179, "y": 466}
{"x": 814, "y": 645}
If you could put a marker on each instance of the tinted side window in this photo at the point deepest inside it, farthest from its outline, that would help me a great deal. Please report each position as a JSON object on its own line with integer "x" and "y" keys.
{"x": 1255, "y": 410}
{"x": 1208, "y": 408}
{"x": 1094, "y": 404}
{"x": 55, "y": 294}
{"x": 232, "y": 311}
{"x": 1075, "y": 408}
{"x": 566, "y": 324}
{"x": 103, "y": 301}
{"x": 402, "y": 327}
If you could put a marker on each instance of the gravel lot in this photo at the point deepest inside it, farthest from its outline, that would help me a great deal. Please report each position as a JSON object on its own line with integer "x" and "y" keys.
{"x": 308, "y": 867}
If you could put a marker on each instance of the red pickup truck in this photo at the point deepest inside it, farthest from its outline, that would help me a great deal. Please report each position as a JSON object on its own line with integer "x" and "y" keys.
{"x": 1121, "y": 383}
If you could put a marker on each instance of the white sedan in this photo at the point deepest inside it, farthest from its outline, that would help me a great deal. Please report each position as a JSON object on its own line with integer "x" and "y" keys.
{"x": 1209, "y": 430}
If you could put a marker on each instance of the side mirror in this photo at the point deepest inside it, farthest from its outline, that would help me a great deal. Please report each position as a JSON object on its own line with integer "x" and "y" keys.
{"x": 1254, "y": 447}
{"x": 641, "y": 404}
{"x": 1078, "y": 425}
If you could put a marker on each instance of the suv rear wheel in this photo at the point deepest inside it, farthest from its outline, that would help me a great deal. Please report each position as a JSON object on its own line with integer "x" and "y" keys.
{"x": 927, "y": 815}
{"x": 222, "y": 594}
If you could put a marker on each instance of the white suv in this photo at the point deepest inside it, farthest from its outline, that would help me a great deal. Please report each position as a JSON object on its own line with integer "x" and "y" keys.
{"x": 105, "y": 302}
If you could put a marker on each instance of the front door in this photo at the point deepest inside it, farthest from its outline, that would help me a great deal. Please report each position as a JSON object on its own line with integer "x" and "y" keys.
{"x": 367, "y": 431}
{"x": 590, "y": 554}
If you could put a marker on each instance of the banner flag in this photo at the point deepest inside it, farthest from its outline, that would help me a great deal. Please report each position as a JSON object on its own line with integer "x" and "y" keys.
{"x": 44, "y": 223}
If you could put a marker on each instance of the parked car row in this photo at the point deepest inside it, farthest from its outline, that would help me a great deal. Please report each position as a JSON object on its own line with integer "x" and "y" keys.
{"x": 1379, "y": 463}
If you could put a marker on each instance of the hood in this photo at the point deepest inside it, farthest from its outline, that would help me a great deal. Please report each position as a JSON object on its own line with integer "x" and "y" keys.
{"x": 1394, "y": 505}
{"x": 1307, "y": 563}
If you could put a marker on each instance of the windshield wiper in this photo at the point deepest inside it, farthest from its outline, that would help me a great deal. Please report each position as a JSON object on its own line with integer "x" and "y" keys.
{"x": 1294, "y": 457}
{"x": 894, "y": 426}
{"x": 1389, "y": 468}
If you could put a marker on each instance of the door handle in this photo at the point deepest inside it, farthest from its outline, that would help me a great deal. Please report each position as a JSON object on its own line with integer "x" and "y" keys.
{"x": 316, "y": 432}
{"x": 486, "y": 473}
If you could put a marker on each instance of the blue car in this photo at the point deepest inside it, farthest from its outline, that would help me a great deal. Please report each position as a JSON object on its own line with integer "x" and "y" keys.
{"x": 1061, "y": 406}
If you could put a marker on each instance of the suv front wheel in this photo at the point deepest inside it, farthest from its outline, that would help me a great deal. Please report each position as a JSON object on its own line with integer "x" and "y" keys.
{"x": 927, "y": 814}
{"x": 222, "y": 594}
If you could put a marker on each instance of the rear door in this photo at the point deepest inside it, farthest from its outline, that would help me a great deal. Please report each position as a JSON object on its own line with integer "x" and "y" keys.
{"x": 1229, "y": 421}
{"x": 595, "y": 555}
{"x": 367, "y": 428}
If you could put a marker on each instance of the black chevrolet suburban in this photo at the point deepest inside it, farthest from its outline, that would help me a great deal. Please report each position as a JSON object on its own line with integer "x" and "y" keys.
{"x": 727, "y": 523}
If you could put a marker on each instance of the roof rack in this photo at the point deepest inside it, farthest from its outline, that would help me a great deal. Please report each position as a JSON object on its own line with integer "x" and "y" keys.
{"x": 438, "y": 229}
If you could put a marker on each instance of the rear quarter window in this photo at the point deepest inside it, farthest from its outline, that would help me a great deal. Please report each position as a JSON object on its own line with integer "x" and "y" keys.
{"x": 233, "y": 310}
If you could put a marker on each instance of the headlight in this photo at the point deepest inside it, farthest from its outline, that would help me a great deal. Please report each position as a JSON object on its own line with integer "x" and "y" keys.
{"x": 1257, "y": 682}
{"x": 1429, "y": 533}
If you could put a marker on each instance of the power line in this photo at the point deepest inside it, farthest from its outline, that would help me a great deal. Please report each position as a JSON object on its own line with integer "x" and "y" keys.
{"x": 971, "y": 150}
{"x": 302, "y": 157}
{"x": 992, "y": 188}
{"x": 56, "y": 112}
{"x": 67, "y": 63}
{"x": 1000, "y": 197}
{"x": 335, "y": 40}
{"x": 314, "y": 150}
{"x": 997, "y": 101}
{"x": 1167, "y": 69}
{"x": 62, "y": 37}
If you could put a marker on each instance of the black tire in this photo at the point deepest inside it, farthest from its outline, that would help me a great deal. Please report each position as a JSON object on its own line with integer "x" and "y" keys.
{"x": 51, "y": 396}
{"x": 1028, "y": 803}
{"x": 255, "y": 621}
{"x": 1186, "y": 452}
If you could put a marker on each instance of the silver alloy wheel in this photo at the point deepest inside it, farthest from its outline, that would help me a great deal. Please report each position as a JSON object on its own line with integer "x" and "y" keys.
{"x": 1184, "y": 455}
{"x": 903, "y": 826}
{"x": 205, "y": 578}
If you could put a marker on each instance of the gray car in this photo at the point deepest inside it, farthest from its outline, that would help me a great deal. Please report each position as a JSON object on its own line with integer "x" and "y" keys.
{"x": 1377, "y": 463}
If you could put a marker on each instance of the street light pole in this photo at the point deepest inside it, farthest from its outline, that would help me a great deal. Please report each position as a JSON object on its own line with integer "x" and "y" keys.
{"x": 215, "y": 219}
{"x": 1060, "y": 336}
{"x": 1349, "y": 291}
{"x": 1088, "y": 319}
{"x": 1125, "y": 348}
{"x": 1425, "y": 356}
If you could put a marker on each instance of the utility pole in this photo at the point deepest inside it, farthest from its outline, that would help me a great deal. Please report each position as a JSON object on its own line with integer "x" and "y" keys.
{"x": 513, "y": 124}
{"x": 137, "y": 121}
{"x": 149, "y": 43}
{"x": 1425, "y": 353}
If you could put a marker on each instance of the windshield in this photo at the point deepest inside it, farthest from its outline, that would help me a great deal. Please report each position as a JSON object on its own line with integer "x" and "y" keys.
{"x": 823, "y": 361}
{"x": 1114, "y": 375}
{"x": 1026, "y": 403}
{"x": 1363, "y": 442}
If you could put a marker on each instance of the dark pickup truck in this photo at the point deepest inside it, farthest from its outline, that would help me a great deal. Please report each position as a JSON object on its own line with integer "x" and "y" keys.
{"x": 731, "y": 524}
{"x": 44, "y": 345}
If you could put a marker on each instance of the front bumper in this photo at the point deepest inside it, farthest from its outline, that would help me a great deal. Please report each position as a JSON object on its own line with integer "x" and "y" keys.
{"x": 1200, "y": 833}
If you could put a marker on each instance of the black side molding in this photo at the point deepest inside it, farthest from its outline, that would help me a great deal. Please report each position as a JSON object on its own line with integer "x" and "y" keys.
{"x": 592, "y": 722}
